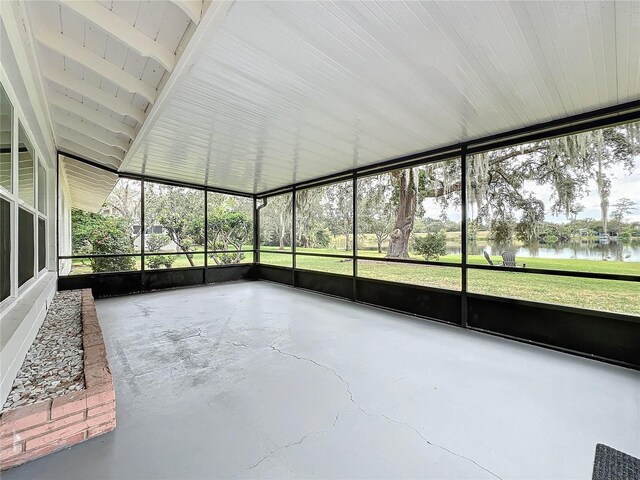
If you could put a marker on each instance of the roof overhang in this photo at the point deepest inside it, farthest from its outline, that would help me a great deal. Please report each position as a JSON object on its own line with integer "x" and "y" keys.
{"x": 88, "y": 185}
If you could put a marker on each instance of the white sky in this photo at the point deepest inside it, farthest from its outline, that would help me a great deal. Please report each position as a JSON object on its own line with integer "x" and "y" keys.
{"x": 623, "y": 185}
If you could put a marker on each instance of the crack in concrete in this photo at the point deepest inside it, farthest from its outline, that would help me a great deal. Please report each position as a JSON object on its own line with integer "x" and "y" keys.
{"x": 348, "y": 387}
{"x": 293, "y": 444}
{"x": 346, "y": 384}
{"x": 299, "y": 442}
{"x": 417, "y": 432}
{"x": 336, "y": 420}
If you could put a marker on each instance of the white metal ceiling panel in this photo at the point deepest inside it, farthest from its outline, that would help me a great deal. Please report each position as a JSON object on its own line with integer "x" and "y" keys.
{"x": 283, "y": 92}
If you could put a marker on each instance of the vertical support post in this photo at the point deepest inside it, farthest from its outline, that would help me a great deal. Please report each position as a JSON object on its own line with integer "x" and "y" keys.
{"x": 206, "y": 236}
{"x": 256, "y": 234}
{"x": 463, "y": 235}
{"x": 293, "y": 236}
{"x": 143, "y": 227}
{"x": 354, "y": 241}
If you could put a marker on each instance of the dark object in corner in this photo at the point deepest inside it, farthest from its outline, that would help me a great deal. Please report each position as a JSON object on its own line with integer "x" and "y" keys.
{"x": 612, "y": 464}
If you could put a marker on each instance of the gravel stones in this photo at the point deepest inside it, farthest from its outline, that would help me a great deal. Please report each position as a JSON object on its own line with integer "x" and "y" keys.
{"x": 54, "y": 363}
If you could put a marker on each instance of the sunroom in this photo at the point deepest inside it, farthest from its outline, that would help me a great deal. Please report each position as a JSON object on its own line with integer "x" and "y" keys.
{"x": 319, "y": 239}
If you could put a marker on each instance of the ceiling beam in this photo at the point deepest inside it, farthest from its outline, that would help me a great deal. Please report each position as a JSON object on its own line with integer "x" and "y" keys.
{"x": 96, "y": 94}
{"x": 88, "y": 142}
{"x": 86, "y": 152}
{"x": 70, "y": 105}
{"x": 119, "y": 28}
{"x": 82, "y": 55}
{"x": 192, "y": 8}
{"x": 91, "y": 131}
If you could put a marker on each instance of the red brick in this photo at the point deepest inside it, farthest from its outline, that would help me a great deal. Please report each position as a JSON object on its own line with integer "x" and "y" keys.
{"x": 100, "y": 395}
{"x": 89, "y": 307}
{"x": 109, "y": 417}
{"x": 95, "y": 355}
{"x": 100, "y": 429}
{"x": 97, "y": 374}
{"x": 40, "y": 452}
{"x": 106, "y": 408}
{"x": 11, "y": 451}
{"x": 9, "y": 441}
{"x": 69, "y": 404}
{"x": 50, "y": 426}
{"x": 62, "y": 443}
{"x": 56, "y": 436}
{"x": 24, "y": 417}
{"x": 89, "y": 317}
{"x": 90, "y": 328}
{"x": 91, "y": 339}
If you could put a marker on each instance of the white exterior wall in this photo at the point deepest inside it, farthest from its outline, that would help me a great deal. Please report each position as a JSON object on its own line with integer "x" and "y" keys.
{"x": 22, "y": 313}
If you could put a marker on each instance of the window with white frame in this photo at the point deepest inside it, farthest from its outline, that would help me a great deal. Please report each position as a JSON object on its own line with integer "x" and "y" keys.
{"x": 6, "y": 135}
{"x": 23, "y": 203}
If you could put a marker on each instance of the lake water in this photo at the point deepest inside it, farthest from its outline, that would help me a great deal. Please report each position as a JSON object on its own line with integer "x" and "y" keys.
{"x": 613, "y": 251}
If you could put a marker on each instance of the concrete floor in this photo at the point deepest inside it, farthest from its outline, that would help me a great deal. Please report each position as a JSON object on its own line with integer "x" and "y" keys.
{"x": 255, "y": 380}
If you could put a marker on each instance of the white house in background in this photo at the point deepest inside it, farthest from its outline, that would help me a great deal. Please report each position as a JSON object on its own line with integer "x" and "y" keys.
{"x": 137, "y": 242}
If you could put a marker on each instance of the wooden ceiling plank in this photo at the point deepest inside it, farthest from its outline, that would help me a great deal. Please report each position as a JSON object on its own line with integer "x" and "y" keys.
{"x": 96, "y": 94}
{"x": 70, "y": 105}
{"x": 117, "y": 27}
{"x": 191, "y": 8}
{"x": 91, "y": 131}
{"x": 63, "y": 45}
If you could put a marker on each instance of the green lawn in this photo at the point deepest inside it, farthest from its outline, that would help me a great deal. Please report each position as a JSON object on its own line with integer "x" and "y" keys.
{"x": 608, "y": 295}
{"x": 80, "y": 266}
{"x": 565, "y": 264}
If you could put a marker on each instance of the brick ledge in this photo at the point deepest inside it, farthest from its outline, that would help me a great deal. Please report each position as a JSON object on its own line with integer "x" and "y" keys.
{"x": 32, "y": 431}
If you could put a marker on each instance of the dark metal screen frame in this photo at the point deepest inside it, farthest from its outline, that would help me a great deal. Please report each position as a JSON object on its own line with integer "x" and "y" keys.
{"x": 142, "y": 254}
{"x": 601, "y": 118}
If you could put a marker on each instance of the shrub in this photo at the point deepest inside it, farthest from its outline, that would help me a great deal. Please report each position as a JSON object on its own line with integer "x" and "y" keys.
{"x": 159, "y": 261}
{"x": 94, "y": 233}
{"x": 322, "y": 238}
{"x": 227, "y": 258}
{"x": 432, "y": 245}
{"x": 156, "y": 241}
